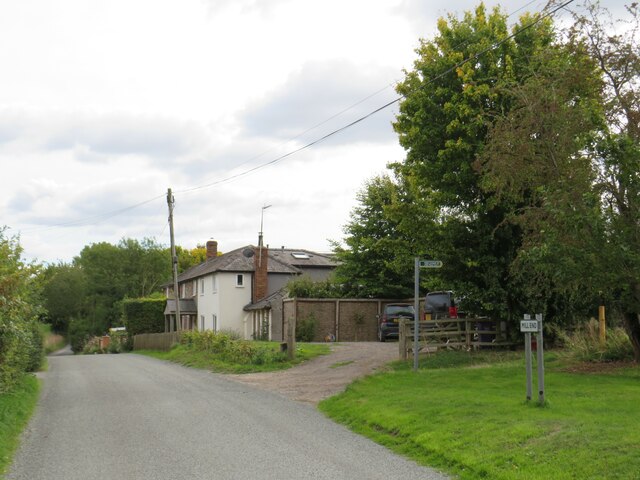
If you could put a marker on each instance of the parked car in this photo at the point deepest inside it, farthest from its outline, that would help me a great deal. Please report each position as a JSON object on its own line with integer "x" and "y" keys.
{"x": 441, "y": 304}
{"x": 388, "y": 322}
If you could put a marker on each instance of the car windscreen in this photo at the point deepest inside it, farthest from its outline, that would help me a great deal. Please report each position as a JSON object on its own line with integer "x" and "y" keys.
{"x": 399, "y": 310}
{"x": 438, "y": 302}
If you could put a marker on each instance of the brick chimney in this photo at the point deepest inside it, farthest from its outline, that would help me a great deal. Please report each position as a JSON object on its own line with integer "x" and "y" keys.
{"x": 212, "y": 249}
{"x": 260, "y": 277}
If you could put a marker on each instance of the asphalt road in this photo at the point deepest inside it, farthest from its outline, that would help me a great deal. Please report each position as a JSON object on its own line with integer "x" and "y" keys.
{"x": 134, "y": 417}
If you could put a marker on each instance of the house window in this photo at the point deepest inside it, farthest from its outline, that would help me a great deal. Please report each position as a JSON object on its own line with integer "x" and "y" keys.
{"x": 201, "y": 323}
{"x": 182, "y": 290}
{"x": 194, "y": 288}
{"x": 240, "y": 280}
{"x": 214, "y": 283}
{"x": 202, "y": 286}
{"x": 214, "y": 317}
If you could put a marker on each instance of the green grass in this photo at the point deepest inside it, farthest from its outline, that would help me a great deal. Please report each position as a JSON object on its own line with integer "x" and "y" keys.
{"x": 209, "y": 361}
{"x": 466, "y": 414}
{"x": 16, "y": 408}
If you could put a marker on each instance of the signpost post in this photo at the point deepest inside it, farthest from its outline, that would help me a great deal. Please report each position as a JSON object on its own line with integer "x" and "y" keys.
{"x": 416, "y": 302}
{"x": 528, "y": 326}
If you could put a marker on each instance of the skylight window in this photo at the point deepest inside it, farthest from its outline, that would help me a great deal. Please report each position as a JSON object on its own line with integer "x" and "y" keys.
{"x": 300, "y": 255}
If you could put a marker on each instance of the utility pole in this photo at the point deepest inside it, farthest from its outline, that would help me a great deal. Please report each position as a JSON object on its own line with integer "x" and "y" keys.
{"x": 174, "y": 260}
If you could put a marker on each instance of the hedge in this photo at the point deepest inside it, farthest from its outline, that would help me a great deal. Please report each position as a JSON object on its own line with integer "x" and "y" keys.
{"x": 144, "y": 315}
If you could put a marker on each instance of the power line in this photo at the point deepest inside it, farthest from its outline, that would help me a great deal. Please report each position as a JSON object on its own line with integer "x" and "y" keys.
{"x": 383, "y": 107}
{"x": 105, "y": 216}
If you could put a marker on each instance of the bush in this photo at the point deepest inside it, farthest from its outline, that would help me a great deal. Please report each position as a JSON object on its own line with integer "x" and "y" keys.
{"x": 81, "y": 331}
{"x": 230, "y": 349}
{"x": 34, "y": 347}
{"x": 144, "y": 315}
{"x": 584, "y": 344}
{"x": 21, "y": 348}
{"x": 306, "y": 328}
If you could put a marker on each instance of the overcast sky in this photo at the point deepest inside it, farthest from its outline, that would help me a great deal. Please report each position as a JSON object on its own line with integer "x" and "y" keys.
{"x": 104, "y": 104}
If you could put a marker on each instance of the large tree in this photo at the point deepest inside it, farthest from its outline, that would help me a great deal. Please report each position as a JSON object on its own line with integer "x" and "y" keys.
{"x": 571, "y": 151}
{"x": 450, "y": 99}
{"x": 64, "y": 294}
{"x": 377, "y": 258}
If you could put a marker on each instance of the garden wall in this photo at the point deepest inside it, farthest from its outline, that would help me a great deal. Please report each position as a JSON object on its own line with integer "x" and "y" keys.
{"x": 347, "y": 319}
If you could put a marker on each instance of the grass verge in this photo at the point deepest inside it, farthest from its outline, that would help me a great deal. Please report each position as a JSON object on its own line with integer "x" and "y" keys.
{"x": 52, "y": 341}
{"x": 215, "y": 363}
{"x": 16, "y": 408}
{"x": 466, "y": 415}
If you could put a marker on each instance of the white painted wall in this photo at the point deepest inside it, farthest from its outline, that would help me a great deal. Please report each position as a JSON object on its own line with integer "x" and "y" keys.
{"x": 226, "y": 302}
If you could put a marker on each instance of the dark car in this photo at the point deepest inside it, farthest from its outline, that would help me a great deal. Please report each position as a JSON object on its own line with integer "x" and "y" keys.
{"x": 388, "y": 322}
{"x": 442, "y": 304}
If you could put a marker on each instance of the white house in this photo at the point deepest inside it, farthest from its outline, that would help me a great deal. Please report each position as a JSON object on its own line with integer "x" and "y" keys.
{"x": 218, "y": 294}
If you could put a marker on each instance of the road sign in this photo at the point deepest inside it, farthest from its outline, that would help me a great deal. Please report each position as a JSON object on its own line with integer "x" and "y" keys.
{"x": 529, "y": 326}
{"x": 430, "y": 263}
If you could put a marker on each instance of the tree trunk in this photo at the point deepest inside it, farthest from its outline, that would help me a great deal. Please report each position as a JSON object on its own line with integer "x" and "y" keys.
{"x": 632, "y": 322}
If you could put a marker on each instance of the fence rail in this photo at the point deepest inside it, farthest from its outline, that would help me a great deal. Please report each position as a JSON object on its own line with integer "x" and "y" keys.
{"x": 451, "y": 333}
{"x": 155, "y": 341}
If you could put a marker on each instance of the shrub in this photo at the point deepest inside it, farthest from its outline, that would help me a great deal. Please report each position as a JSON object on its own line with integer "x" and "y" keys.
{"x": 144, "y": 315}
{"x": 80, "y": 332}
{"x": 34, "y": 347}
{"x": 120, "y": 342}
{"x": 21, "y": 348}
{"x": 306, "y": 328}
{"x": 230, "y": 349}
{"x": 584, "y": 344}
{"x": 92, "y": 346}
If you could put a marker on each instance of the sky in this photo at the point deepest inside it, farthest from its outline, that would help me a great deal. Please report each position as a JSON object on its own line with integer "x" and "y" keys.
{"x": 104, "y": 105}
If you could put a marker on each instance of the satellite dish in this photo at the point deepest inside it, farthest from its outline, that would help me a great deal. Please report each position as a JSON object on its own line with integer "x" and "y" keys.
{"x": 248, "y": 252}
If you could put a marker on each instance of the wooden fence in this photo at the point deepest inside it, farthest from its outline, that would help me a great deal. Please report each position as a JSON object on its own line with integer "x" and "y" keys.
{"x": 453, "y": 334}
{"x": 155, "y": 341}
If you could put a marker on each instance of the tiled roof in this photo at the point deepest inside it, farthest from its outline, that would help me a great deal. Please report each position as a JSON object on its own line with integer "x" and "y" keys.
{"x": 186, "y": 306}
{"x": 281, "y": 260}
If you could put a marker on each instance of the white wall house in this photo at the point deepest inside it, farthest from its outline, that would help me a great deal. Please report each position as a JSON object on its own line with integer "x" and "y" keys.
{"x": 216, "y": 294}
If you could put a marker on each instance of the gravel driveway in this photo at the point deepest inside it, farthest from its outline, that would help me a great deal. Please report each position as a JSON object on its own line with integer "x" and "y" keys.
{"x": 326, "y": 375}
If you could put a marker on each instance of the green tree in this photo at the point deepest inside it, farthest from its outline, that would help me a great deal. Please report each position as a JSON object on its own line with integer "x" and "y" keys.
{"x": 113, "y": 272}
{"x": 21, "y": 347}
{"x": 572, "y": 150}
{"x": 377, "y": 258}
{"x": 64, "y": 294}
{"x": 188, "y": 258}
{"x": 444, "y": 118}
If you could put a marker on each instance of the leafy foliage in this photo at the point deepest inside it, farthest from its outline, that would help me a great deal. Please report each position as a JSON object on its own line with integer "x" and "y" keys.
{"x": 144, "y": 315}
{"x": 377, "y": 260}
{"x": 306, "y": 328}
{"x": 64, "y": 294}
{"x": 81, "y": 330}
{"x": 21, "y": 346}
{"x": 230, "y": 350}
{"x": 584, "y": 345}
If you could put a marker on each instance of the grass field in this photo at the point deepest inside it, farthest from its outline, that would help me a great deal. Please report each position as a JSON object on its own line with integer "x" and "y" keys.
{"x": 16, "y": 408}
{"x": 466, "y": 414}
{"x": 210, "y": 361}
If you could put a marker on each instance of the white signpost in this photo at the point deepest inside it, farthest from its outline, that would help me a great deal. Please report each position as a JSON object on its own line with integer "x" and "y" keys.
{"x": 529, "y": 326}
{"x": 416, "y": 302}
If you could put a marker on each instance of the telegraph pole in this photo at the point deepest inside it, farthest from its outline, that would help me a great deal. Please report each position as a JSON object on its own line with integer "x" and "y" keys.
{"x": 174, "y": 260}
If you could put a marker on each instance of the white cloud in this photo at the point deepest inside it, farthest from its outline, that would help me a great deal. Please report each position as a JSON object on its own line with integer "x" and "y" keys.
{"x": 105, "y": 104}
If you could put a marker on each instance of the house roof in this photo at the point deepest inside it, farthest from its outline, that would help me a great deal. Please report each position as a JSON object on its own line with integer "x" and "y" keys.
{"x": 265, "y": 302}
{"x": 186, "y": 306}
{"x": 286, "y": 261}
